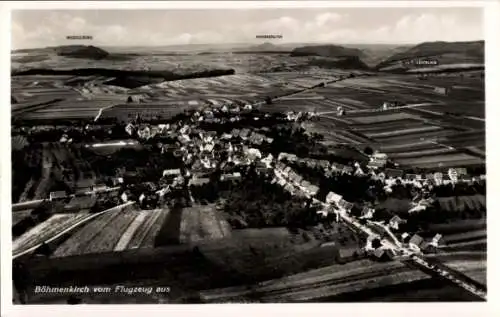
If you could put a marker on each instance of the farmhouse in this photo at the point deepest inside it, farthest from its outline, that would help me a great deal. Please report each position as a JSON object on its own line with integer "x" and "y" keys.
{"x": 367, "y": 213}
{"x": 435, "y": 240}
{"x": 171, "y": 172}
{"x": 377, "y": 160}
{"x": 442, "y": 90}
{"x": 99, "y": 187}
{"x": 244, "y": 133}
{"x": 438, "y": 178}
{"x": 347, "y": 169}
{"x": 346, "y": 254}
{"x": 199, "y": 181}
{"x": 289, "y": 157}
{"x": 231, "y": 177}
{"x": 395, "y": 222}
{"x": 415, "y": 241}
{"x": 312, "y": 189}
{"x": 333, "y": 198}
{"x": 235, "y": 132}
{"x": 378, "y": 253}
{"x": 393, "y": 173}
{"x": 57, "y": 195}
{"x": 144, "y": 132}
{"x": 453, "y": 175}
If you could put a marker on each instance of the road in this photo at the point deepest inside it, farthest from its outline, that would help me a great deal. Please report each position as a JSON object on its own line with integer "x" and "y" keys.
{"x": 409, "y": 106}
{"x": 437, "y": 269}
{"x": 31, "y": 204}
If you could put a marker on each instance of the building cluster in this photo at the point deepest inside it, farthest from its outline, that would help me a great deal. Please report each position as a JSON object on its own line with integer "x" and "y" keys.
{"x": 293, "y": 182}
{"x": 203, "y": 152}
{"x": 296, "y": 116}
{"x": 425, "y": 182}
{"x": 413, "y": 242}
{"x": 328, "y": 167}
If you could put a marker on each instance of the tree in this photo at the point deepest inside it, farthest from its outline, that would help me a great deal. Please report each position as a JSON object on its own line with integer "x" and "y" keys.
{"x": 376, "y": 243}
{"x": 368, "y": 150}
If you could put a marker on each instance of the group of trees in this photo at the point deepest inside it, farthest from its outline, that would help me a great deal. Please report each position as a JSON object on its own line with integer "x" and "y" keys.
{"x": 255, "y": 203}
{"x": 26, "y": 165}
{"x": 148, "y": 163}
{"x": 37, "y": 215}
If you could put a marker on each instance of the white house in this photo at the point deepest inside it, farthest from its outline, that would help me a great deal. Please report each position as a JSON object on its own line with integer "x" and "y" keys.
{"x": 453, "y": 174}
{"x": 172, "y": 172}
{"x": 253, "y": 153}
{"x": 124, "y": 197}
{"x": 141, "y": 198}
{"x": 333, "y": 198}
{"x": 57, "y": 195}
{"x": 438, "y": 178}
{"x": 395, "y": 222}
{"x": 417, "y": 208}
{"x": 130, "y": 129}
{"x": 144, "y": 133}
{"x": 367, "y": 213}
{"x": 323, "y": 212}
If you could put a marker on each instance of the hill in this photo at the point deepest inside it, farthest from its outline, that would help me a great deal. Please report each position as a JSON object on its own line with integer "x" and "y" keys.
{"x": 327, "y": 51}
{"x": 81, "y": 51}
{"x": 445, "y": 53}
{"x": 373, "y": 54}
{"x": 266, "y": 47}
{"x": 332, "y": 56}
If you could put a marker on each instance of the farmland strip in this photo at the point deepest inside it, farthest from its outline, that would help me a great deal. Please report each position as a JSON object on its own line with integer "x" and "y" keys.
{"x": 149, "y": 239}
{"x": 403, "y": 131}
{"x": 142, "y": 231}
{"x": 456, "y": 163}
{"x": 438, "y": 158}
{"x": 41, "y": 231}
{"x": 84, "y": 236}
{"x": 107, "y": 238}
{"x": 435, "y": 151}
{"x": 132, "y": 228}
{"x": 378, "y": 117}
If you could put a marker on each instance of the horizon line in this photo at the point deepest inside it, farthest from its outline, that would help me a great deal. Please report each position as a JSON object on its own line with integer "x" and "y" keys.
{"x": 247, "y": 43}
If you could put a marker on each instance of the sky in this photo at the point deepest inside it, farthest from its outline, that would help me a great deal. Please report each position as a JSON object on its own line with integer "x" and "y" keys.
{"x": 112, "y": 27}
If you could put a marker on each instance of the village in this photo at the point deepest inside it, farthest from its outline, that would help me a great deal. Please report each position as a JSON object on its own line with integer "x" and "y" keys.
{"x": 233, "y": 142}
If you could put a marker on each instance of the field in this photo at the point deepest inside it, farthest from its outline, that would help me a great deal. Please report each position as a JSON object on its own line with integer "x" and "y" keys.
{"x": 333, "y": 283}
{"x": 411, "y": 135}
{"x": 116, "y": 230}
{"x": 45, "y": 230}
{"x": 201, "y": 224}
{"x": 84, "y": 239}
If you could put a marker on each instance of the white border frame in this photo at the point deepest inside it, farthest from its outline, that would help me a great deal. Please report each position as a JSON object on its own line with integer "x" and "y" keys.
{"x": 492, "y": 26}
